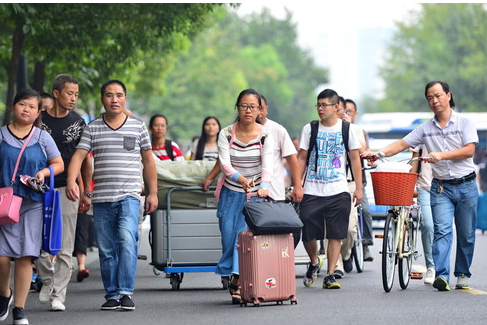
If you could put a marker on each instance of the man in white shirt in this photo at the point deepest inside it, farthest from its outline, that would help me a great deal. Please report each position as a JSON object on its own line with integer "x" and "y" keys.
{"x": 326, "y": 193}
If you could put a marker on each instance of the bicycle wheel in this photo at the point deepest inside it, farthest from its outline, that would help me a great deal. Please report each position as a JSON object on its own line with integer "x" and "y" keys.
{"x": 389, "y": 252}
{"x": 406, "y": 262}
{"x": 358, "y": 251}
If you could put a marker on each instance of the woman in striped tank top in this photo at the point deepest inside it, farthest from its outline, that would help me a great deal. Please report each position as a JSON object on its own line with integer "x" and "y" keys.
{"x": 245, "y": 151}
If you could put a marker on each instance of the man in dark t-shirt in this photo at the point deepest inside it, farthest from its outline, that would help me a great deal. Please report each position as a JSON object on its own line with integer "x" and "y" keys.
{"x": 65, "y": 126}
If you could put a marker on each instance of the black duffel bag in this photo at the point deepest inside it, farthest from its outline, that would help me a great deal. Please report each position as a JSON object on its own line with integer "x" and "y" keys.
{"x": 271, "y": 217}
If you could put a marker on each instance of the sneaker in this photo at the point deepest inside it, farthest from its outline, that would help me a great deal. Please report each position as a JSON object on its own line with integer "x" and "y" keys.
{"x": 348, "y": 265}
{"x": 462, "y": 282}
{"x": 111, "y": 304}
{"x": 441, "y": 284}
{"x": 329, "y": 282}
{"x": 19, "y": 316}
{"x": 367, "y": 255}
{"x": 338, "y": 274}
{"x": 5, "y": 303}
{"x": 311, "y": 274}
{"x": 57, "y": 305}
{"x": 430, "y": 276}
{"x": 83, "y": 274}
{"x": 45, "y": 294}
{"x": 127, "y": 303}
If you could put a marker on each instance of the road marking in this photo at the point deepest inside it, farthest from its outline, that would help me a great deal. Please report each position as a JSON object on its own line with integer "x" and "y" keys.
{"x": 474, "y": 291}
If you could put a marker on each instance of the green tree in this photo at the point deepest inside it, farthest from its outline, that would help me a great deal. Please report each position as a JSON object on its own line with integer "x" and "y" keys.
{"x": 98, "y": 41}
{"x": 233, "y": 55}
{"x": 439, "y": 42}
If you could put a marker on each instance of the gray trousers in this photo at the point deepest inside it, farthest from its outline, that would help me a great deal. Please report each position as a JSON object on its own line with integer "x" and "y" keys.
{"x": 57, "y": 273}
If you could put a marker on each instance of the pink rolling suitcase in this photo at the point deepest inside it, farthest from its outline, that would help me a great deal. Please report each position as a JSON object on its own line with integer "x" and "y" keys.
{"x": 266, "y": 264}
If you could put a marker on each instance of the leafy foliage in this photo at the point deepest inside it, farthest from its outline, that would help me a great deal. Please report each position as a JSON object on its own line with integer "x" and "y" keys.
{"x": 441, "y": 42}
{"x": 233, "y": 55}
{"x": 101, "y": 41}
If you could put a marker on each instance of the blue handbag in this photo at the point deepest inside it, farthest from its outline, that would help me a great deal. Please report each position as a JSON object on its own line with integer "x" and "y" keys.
{"x": 53, "y": 219}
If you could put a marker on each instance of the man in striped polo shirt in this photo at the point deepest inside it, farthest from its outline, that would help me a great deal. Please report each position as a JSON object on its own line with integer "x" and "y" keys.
{"x": 119, "y": 143}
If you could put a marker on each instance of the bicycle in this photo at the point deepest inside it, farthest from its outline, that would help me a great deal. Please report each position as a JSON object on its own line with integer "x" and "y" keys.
{"x": 401, "y": 226}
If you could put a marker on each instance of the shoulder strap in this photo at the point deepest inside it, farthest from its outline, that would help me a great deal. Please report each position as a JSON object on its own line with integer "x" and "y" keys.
{"x": 312, "y": 140}
{"x": 20, "y": 155}
{"x": 345, "y": 136}
{"x": 169, "y": 150}
{"x": 229, "y": 134}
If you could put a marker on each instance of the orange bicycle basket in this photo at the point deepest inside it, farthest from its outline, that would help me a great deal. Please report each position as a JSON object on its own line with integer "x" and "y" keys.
{"x": 393, "y": 188}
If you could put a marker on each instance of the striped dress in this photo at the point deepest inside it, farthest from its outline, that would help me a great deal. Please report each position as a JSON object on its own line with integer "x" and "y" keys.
{"x": 117, "y": 158}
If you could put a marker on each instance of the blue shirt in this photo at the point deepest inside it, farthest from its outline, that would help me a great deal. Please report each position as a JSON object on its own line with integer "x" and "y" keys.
{"x": 458, "y": 132}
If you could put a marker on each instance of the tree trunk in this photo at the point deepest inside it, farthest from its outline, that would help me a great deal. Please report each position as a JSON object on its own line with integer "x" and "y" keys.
{"x": 39, "y": 76}
{"x": 17, "y": 45}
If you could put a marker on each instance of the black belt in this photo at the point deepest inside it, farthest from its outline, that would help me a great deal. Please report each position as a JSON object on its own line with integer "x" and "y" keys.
{"x": 456, "y": 181}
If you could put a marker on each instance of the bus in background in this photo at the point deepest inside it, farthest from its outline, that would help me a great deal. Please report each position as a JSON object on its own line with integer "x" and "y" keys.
{"x": 384, "y": 128}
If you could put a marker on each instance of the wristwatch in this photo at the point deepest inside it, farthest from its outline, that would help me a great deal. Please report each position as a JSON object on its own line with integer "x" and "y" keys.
{"x": 88, "y": 194}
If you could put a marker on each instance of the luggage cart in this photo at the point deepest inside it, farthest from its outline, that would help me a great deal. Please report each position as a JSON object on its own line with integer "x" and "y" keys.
{"x": 185, "y": 240}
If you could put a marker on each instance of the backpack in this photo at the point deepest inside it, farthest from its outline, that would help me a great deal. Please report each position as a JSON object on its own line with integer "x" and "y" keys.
{"x": 312, "y": 142}
{"x": 169, "y": 149}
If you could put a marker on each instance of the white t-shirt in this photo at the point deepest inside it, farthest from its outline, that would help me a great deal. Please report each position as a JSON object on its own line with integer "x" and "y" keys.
{"x": 283, "y": 147}
{"x": 328, "y": 177}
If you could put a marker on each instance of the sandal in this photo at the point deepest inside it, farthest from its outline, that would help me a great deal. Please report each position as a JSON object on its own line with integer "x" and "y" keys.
{"x": 233, "y": 292}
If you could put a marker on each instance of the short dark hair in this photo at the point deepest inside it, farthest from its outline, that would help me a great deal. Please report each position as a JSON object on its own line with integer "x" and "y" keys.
{"x": 110, "y": 82}
{"x": 348, "y": 100}
{"x": 46, "y": 95}
{"x": 330, "y": 94}
{"x": 342, "y": 100}
{"x": 61, "y": 80}
{"x": 446, "y": 89}
{"x": 27, "y": 93}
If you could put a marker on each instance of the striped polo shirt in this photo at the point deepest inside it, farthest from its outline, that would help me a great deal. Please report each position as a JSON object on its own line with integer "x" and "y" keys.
{"x": 117, "y": 158}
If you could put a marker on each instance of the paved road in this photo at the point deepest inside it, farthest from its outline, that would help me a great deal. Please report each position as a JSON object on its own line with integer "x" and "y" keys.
{"x": 201, "y": 300}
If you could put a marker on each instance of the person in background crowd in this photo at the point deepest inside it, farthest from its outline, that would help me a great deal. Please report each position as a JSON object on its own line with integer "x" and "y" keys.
{"x": 345, "y": 262}
{"x": 162, "y": 148}
{"x": 65, "y": 127}
{"x": 22, "y": 241}
{"x": 368, "y": 235}
{"x": 206, "y": 146}
{"x": 47, "y": 101}
{"x": 423, "y": 186}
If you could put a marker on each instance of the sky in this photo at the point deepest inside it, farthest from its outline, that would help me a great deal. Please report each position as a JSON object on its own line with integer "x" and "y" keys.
{"x": 330, "y": 30}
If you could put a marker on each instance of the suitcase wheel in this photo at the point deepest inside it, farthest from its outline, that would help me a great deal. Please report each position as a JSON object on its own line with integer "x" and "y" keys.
{"x": 175, "y": 280}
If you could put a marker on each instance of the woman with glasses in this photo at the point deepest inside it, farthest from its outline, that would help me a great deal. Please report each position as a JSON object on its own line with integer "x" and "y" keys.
{"x": 245, "y": 151}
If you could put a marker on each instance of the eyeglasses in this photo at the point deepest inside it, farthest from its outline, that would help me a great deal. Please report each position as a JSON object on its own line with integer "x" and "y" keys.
{"x": 323, "y": 106}
{"x": 244, "y": 108}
